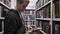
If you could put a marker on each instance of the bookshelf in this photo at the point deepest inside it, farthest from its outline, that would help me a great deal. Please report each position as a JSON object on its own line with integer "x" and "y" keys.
{"x": 48, "y": 13}
{"x": 29, "y": 17}
{"x": 2, "y": 19}
{"x": 43, "y": 32}
{"x": 43, "y": 5}
{"x": 3, "y": 7}
{"x": 56, "y": 19}
{"x": 43, "y": 19}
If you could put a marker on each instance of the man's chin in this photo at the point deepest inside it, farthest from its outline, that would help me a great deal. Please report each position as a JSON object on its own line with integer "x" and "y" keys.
{"x": 22, "y": 10}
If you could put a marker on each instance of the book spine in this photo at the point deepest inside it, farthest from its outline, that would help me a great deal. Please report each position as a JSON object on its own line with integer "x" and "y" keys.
{"x": 0, "y": 11}
{"x": 53, "y": 10}
{"x": 58, "y": 29}
{"x": 47, "y": 28}
{"x": 57, "y": 10}
{"x": 48, "y": 11}
{"x": 44, "y": 12}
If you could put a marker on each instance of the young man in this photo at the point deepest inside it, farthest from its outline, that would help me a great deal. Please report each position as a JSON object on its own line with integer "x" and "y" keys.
{"x": 13, "y": 20}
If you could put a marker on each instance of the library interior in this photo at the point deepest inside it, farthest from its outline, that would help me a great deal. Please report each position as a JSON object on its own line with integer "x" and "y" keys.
{"x": 40, "y": 16}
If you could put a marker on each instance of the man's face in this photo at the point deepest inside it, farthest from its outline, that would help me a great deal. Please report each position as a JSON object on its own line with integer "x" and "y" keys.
{"x": 24, "y": 5}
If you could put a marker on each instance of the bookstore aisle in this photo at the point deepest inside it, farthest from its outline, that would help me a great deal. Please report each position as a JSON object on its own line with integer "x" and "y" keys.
{"x": 45, "y": 19}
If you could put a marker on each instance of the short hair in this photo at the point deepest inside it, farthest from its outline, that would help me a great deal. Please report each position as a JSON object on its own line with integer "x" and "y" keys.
{"x": 20, "y": 1}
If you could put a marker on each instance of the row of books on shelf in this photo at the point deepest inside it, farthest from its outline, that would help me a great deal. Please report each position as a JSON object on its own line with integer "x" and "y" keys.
{"x": 45, "y": 26}
{"x": 45, "y": 12}
{"x": 47, "y": 29}
{"x": 29, "y": 17}
{"x": 41, "y": 2}
{"x": 56, "y": 9}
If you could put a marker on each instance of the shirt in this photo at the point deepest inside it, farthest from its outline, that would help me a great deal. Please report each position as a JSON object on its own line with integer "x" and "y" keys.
{"x": 21, "y": 17}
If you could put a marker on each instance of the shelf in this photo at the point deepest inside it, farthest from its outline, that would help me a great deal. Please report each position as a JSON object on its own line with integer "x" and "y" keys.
{"x": 43, "y": 5}
{"x": 29, "y": 20}
{"x": 1, "y": 32}
{"x": 2, "y": 18}
{"x": 28, "y": 14}
{"x": 4, "y": 5}
{"x": 43, "y": 19}
{"x": 56, "y": 19}
{"x": 43, "y": 32}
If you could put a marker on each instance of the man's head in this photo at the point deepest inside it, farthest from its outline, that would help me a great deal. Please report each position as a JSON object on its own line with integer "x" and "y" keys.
{"x": 22, "y": 4}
